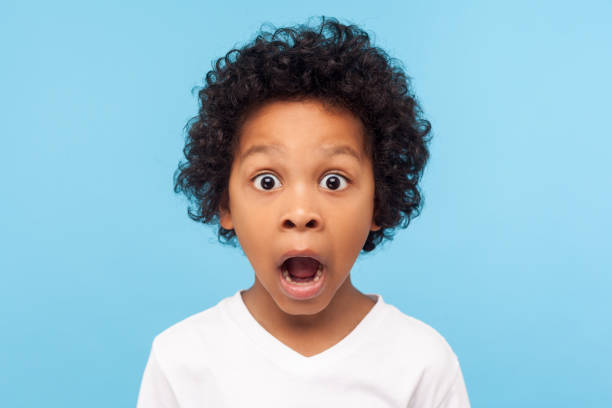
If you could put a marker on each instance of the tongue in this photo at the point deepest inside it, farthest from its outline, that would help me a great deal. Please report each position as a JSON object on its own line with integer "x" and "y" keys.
{"x": 302, "y": 267}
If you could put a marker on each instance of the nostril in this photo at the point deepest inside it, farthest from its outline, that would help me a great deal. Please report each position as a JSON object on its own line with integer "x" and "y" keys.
{"x": 291, "y": 224}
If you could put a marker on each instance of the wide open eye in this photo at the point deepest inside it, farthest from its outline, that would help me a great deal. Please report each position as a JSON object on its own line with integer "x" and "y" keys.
{"x": 334, "y": 182}
{"x": 266, "y": 182}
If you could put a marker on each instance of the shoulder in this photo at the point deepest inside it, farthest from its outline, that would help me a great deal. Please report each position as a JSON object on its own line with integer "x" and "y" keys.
{"x": 424, "y": 360}
{"x": 418, "y": 342}
{"x": 191, "y": 336}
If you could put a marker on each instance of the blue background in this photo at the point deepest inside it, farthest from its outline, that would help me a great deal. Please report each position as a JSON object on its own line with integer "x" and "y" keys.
{"x": 509, "y": 261}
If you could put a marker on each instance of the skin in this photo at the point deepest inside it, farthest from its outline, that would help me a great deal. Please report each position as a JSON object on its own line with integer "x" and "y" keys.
{"x": 288, "y": 140}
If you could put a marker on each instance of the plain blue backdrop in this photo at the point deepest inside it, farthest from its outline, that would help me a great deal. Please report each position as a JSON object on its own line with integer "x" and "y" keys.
{"x": 509, "y": 260}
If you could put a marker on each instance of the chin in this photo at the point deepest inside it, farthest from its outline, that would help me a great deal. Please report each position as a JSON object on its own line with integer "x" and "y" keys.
{"x": 302, "y": 307}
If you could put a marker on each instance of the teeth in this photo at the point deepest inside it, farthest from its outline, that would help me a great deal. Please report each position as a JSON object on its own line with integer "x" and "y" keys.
{"x": 316, "y": 277}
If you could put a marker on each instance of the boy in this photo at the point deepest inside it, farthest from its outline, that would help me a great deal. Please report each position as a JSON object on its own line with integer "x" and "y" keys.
{"x": 308, "y": 149}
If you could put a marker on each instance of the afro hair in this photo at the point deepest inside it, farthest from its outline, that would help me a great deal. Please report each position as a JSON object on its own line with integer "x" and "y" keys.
{"x": 335, "y": 64}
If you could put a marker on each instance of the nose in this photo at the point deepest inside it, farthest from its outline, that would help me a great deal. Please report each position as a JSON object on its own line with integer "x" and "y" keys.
{"x": 301, "y": 222}
{"x": 301, "y": 215}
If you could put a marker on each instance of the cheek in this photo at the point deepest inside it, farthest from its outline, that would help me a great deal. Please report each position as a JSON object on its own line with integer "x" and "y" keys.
{"x": 252, "y": 227}
{"x": 352, "y": 223}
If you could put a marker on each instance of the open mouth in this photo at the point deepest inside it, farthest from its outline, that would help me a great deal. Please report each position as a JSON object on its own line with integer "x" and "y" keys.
{"x": 302, "y": 270}
{"x": 302, "y": 276}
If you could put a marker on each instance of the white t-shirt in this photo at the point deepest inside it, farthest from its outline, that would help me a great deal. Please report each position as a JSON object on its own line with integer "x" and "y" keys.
{"x": 222, "y": 357}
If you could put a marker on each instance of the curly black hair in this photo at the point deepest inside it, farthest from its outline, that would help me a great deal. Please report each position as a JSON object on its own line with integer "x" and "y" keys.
{"x": 335, "y": 64}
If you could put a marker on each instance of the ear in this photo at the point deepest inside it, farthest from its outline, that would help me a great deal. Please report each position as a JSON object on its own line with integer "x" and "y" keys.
{"x": 374, "y": 226}
{"x": 225, "y": 218}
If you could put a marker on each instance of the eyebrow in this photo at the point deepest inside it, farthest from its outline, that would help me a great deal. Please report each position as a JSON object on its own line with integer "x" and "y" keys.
{"x": 268, "y": 149}
{"x": 343, "y": 149}
{"x": 278, "y": 149}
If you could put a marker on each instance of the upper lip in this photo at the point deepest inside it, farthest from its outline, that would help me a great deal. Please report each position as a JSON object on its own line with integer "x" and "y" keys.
{"x": 305, "y": 253}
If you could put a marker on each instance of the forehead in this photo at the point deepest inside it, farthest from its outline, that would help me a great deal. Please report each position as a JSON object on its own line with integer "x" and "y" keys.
{"x": 287, "y": 125}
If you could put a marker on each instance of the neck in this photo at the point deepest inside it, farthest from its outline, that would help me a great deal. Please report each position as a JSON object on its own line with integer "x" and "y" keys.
{"x": 346, "y": 308}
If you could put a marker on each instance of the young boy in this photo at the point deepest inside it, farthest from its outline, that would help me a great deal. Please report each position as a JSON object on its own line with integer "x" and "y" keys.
{"x": 308, "y": 149}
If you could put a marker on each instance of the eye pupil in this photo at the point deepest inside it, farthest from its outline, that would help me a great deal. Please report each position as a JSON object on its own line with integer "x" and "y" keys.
{"x": 267, "y": 182}
{"x": 333, "y": 182}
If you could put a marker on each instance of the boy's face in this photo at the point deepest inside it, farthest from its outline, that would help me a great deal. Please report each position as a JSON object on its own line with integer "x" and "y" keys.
{"x": 301, "y": 181}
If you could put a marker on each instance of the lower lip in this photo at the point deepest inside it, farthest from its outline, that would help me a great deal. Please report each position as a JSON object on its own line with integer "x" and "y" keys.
{"x": 302, "y": 292}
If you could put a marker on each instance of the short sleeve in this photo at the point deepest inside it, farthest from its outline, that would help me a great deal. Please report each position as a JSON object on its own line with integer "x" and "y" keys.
{"x": 155, "y": 390}
{"x": 456, "y": 396}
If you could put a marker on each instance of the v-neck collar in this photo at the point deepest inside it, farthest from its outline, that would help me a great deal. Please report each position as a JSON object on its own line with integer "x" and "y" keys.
{"x": 285, "y": 356}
